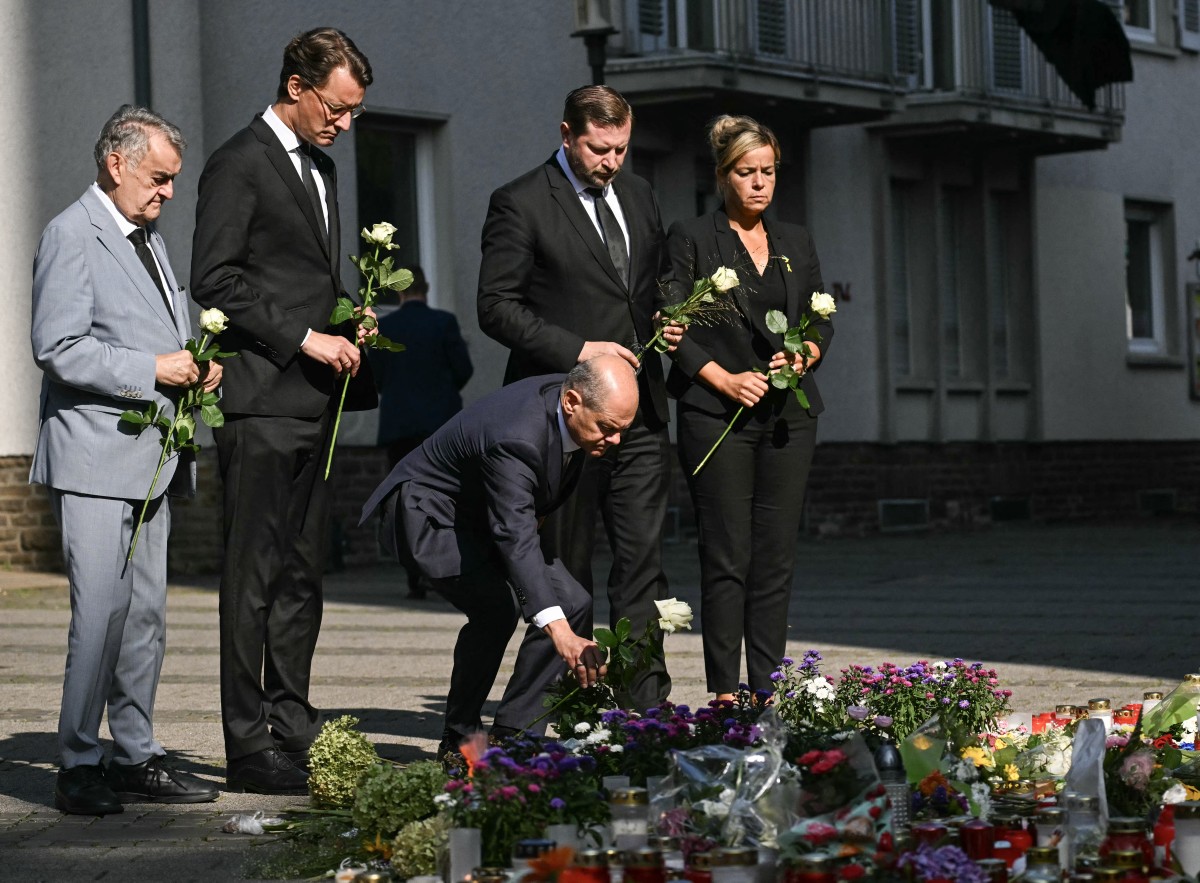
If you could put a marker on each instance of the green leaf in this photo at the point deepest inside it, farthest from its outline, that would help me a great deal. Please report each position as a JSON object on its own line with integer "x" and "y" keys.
{"x": 661, "y": 345}
{"x": 212, "y": 416}
{"x": 779, "y": 380}
{"x": 625, "y": 654}
{"x": 379, "y": 342}
{"x": 137, "y": 418}
{"x": 398, "y": 280}
{"x": 802, "y": 398}
{"x": 368, "y": 322}
{"x": 208, "y": 398}
{"x": 209, "y": 354}
{"x": 343, "y": 312}
{"x": 226, "y": 355}
{"x": 777, "y": 321}
{"x": 793, "y": 341}
{"x": 604, "y": 638}
{"x": 623, "y": 628}
{"x": 193, "y": 347}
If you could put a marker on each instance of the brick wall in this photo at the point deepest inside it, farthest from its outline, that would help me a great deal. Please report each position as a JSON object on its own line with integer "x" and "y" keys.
{"x": 28, "y": 533}
{"x": 1060, "y": 480}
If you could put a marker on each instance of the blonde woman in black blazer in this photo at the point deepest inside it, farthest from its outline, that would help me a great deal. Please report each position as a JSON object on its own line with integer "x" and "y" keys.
{"x": 749, "y": 495}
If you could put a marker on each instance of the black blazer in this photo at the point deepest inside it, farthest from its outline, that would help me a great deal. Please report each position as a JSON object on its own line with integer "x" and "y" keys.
{"x": 697, "y": 248}
{"x": 477, "y": 487}
{"x": 258, "y": 255}
{"x": 547, "y": 284}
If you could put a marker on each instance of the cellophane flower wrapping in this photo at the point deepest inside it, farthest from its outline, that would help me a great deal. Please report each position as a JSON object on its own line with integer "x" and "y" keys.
{"x": 843, "y": 809}
{"x": 722, "y": 795}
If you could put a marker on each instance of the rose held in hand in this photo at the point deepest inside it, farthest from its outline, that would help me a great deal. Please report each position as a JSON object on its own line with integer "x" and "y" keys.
{"x": 822, "y": 304}
{"x": 213, "y": 321}
{"x": 725, "y": 279}
{"x": 380, "y": 234}
{"x": 673, "y": 614}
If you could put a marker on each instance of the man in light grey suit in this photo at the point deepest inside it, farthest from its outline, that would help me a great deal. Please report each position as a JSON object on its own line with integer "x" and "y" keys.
{"x": 109, "y": 325}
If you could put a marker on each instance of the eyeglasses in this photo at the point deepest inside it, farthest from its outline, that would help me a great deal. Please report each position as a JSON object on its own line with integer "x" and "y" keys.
{"x": 336, "y": 113}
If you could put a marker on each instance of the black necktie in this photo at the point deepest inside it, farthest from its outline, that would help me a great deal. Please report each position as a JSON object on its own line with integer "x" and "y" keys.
{"x": 310, "y": 185}
{"x": 142, "y": 247}
{"x": 611, "y": 231}
{"x": 572, "y": 465}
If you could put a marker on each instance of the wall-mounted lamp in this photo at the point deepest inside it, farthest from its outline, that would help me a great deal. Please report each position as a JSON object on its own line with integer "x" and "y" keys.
{"x": 593, "y": 22}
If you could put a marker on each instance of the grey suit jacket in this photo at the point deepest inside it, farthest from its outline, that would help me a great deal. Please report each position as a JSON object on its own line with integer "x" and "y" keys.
{"x": 98, "y": 323}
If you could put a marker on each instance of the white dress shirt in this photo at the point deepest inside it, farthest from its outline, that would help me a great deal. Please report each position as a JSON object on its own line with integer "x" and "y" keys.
{"x": 126, "y": 227}
{"x": 589, "y": 203}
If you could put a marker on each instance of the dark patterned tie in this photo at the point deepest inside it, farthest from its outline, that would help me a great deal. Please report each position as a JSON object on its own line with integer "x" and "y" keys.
{"x": 310, "y": 185}
{"x": 141, "y": 245}
{"x": 611, "y": 231}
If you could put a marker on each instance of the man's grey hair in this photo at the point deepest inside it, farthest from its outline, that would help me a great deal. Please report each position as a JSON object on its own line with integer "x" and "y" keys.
{"x": 128, "y": 132}
{"x": 591, "y": 384}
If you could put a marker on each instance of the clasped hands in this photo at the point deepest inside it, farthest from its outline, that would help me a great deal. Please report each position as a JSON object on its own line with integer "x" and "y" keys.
{"x": 747, "y": 387}
{"x": 337, "y": 352}
{"x": 180, "y": 369}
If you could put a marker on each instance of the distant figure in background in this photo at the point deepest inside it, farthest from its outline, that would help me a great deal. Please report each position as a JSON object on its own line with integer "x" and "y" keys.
{"x": 418, "y": 388}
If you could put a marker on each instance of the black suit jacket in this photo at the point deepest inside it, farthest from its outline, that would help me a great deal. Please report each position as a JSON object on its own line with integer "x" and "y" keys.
{"x": 697, "y": 248}
{"x": 258, "y": 255}
{"x": 547, "y": 284}
{"x": 477, "y": 487}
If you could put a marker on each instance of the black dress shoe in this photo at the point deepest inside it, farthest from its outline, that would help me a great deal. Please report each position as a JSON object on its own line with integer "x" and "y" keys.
{"x": 299, "y": 759}
{"x": 153, "y": 781}
{"x": 82, "y": 790}
{"x": 266, "y": 772}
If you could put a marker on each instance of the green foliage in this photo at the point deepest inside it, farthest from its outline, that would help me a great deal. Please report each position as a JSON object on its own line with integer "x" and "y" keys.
{"x": 419, "y": 845}
{"x": 390, "y": 797}
{"x": 337, "y": 760}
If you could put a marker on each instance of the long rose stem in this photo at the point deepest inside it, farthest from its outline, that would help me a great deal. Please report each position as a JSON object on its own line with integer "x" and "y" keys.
{"x": 162, "y": 458}
{"x": 336, "y": 424}
{"x": 717, "y": 444}
{"x": 553, "y": 708}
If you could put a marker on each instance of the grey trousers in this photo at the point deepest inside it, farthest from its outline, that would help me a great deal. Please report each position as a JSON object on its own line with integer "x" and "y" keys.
{"x": 118, "y": 625}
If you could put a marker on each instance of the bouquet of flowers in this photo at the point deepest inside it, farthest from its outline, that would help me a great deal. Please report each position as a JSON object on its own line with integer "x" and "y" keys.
{"x": 966, "y": 697}
{"x": 942, "y": 863}
{"x": 514, "y": 798}
{"x": 846, "y": 810}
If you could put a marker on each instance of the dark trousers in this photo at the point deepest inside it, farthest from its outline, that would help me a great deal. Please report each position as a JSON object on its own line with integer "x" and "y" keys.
{"x": 628, "y": 489}
{"x": 277, "y": 507}
{"x": 749, "y": 500}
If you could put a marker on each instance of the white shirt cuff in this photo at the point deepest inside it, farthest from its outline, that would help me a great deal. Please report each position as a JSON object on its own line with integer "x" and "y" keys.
{"x": 547, "y": 616}
{"x": 306, "y": 334}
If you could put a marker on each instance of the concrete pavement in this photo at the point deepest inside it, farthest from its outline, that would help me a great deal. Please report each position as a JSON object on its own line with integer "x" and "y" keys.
{"x": 1064, "y": 612}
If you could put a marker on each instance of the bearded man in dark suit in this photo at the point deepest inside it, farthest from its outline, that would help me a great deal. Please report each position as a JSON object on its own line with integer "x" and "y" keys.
{"x": 266, "y": 252}
{"x": 572, "y": 254}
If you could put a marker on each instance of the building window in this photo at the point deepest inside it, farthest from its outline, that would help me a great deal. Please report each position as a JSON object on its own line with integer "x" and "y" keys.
{"x": 1139, "y": 14}
{"x": 394, "y": 160}
{"x": 1145, "y": 280}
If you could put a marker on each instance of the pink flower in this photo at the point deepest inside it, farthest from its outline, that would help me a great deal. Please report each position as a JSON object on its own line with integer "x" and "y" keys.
{"x": 1135, "y": 771}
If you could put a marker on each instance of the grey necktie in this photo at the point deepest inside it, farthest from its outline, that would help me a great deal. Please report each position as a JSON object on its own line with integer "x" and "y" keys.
{"x": 611, "y": 230}
{"x": 141, "y": 245}
{"x": 310, "y": 185}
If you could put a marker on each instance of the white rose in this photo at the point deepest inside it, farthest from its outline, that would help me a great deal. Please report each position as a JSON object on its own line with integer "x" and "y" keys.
{"x": 724, "y": 279}
{"x": 213, "y": 321}
{"x": 823, "y": 304}
{"x": 582, "y": 727}
{"x": 380, "y": 234}
{"x": 673, "y": 614}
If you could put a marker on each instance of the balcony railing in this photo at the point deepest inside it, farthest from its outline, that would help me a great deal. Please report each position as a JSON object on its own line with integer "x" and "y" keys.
{"x": 837, "y": 39}
{"x": 921, "y": 51}
{"x": 978, "y": 52}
